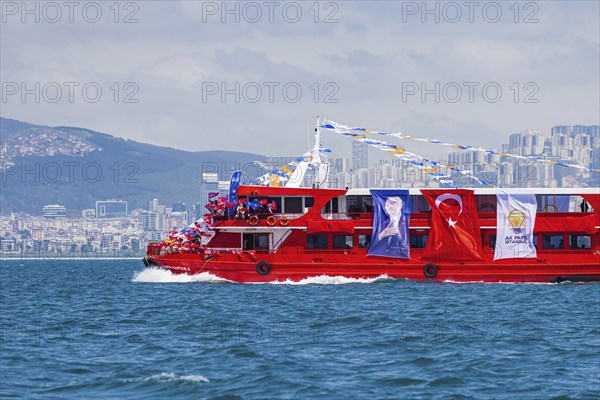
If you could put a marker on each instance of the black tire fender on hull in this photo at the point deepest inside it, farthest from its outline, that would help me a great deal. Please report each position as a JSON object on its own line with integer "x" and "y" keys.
{"x": 430, "y": 270}
{"x": 263, "y": 268}
{"x": 148, "y": 261}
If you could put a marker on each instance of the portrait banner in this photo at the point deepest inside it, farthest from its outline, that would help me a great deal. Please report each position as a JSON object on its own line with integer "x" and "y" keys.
{"x": 391, "y": 216}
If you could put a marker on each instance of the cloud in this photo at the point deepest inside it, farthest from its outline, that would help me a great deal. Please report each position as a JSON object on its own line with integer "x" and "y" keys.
{"x": 354, "y": 70}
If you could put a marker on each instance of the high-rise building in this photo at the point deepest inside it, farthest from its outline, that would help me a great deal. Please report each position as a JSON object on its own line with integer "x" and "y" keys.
{"x": 88, "y": 213}
{"x": 54, "y": 211}
{"x": 152, "y": 205}
{"x": 111, "y": 209}
{"x": 105, "y": 241}
{"x": 148, "y": 220}
{"x": 527, "y": 143}
{"x": 178, "y": 207}
{"x": 210, "y": 183}
{"x": 360, "y": 155}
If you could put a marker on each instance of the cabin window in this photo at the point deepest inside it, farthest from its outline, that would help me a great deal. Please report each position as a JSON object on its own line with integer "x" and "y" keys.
{"x": 359, "y": 204}
{"x": 419, "y": 204}
{"x": 335, "y": 205}
{"x": 553, "y": 242}
{"x": 418, "y": 241}
{"x": 492, "y": 241}
{"x": 580, "y": 242}
{"x": 343, "y": 241}
{"x": 486, "y": 202}
{"x": 364, "y": 241}
{"x": 309, "y": 202}
{"x": 367, "y": 204}
{"x": 317, "y": 241}
{"x": 553, "y": 203}
{"x": 293, "y": 205}
{"x": 256, "y": 241}
{"x": 331, "y": 206}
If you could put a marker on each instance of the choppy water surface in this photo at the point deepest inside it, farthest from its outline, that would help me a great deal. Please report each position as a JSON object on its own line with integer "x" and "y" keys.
{"x": 96, "y": 329}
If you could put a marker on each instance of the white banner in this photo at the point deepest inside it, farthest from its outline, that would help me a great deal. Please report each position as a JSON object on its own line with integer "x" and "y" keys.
{"x": 515, "y": 222}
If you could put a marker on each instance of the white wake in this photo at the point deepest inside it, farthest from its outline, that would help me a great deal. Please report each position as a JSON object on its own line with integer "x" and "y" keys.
{"x": 330, "y": 280}
{"x": 159, "y": 275}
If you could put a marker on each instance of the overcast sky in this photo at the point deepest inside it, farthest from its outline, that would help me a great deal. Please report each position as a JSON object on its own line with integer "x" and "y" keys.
{"x": 162, "y": 66}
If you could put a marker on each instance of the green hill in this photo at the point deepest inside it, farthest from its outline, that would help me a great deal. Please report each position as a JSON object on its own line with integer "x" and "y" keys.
{"x": 75, "y": 167}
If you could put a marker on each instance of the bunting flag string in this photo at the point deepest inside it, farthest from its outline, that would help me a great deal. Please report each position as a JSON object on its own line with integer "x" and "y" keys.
{"x": 341, "y": 128}
{"x": 431, "y": 167}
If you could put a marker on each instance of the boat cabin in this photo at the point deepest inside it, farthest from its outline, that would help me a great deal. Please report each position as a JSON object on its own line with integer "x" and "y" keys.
{"x": 341, "y": 220}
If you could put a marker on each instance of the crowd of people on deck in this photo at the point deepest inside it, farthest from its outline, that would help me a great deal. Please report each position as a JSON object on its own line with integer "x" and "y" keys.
{"x": 221, "y": 209}
{"x": 190, "y": 238}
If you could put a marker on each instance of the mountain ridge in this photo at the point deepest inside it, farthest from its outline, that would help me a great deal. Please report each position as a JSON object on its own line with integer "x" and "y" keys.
{"x": 76, "y": 166}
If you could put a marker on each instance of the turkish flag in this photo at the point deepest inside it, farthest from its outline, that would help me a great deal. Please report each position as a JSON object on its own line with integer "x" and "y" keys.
{"x": 455, "y": 234}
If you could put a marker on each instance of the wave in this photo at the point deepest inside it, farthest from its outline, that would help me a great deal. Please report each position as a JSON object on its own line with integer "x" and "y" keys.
{"x": 169, "y": 376}
{"x": 159, "y": 275}
{"x": 331, "y": 280}
{"x": 565, "y": 282}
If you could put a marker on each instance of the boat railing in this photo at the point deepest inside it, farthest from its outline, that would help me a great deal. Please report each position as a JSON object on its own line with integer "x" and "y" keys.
{"x": 253, "y": 219}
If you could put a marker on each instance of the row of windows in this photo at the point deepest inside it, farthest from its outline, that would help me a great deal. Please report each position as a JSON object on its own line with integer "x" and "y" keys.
{"x": 339, "y": 241}
{"x": 347, "y": 241}
{"x": 321, "y": 241}
{"x": 485, "y": 203}
{"x": 289, "y": 205}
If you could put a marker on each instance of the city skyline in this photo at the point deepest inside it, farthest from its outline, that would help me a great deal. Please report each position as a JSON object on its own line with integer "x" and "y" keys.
{"x": 529, "y": 142}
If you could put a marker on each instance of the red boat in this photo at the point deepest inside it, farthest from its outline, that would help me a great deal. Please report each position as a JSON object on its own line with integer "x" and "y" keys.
{"x": 317, "y": 232}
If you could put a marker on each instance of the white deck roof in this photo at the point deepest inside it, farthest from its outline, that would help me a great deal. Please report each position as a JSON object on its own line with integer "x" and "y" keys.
{"x": 490, "y": 191}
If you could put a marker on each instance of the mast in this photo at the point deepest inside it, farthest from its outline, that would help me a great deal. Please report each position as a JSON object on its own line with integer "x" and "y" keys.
{"x": 316, "y": 150}
{"x": 317, "y": 162}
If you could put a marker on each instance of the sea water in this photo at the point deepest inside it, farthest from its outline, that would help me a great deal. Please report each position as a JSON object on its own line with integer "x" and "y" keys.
{"x": 112, "y": 329}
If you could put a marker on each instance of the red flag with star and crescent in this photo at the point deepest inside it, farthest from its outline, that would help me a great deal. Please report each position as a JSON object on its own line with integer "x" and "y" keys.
{"x": 455, "y": 234}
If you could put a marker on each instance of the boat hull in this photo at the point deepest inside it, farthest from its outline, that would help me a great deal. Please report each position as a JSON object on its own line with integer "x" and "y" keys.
{"x": 504, "y": 271}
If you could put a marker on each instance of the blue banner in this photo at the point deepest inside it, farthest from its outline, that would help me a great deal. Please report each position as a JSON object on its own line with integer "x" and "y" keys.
{"x": 391, "y": 216}
{"x": 234, "y": 184}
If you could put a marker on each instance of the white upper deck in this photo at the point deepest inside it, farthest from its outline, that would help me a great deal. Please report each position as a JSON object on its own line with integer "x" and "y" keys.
{"x": 491, "y": 191}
